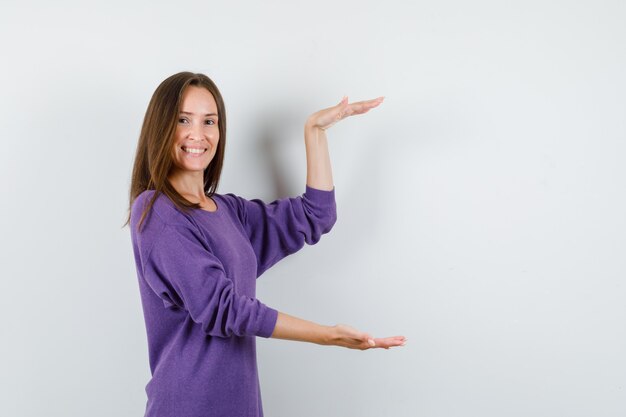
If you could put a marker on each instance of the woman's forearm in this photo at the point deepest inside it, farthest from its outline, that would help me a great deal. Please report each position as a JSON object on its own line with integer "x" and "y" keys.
{"x": 293, "y": 328}
{"x": 318, "y": 170}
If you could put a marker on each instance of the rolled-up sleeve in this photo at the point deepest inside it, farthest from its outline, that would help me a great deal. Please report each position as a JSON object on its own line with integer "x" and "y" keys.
{"x": 183, "y": 272}
{"x": 282, "y": 227}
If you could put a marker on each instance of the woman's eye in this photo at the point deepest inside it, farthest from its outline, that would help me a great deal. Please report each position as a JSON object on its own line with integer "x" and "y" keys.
{"x": 210, "y": 122}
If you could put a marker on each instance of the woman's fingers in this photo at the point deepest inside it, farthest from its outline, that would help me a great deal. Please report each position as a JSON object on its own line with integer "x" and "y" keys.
{"x": 328, "y": 117}
{"x": 361, "y": 107}
{"x": 385, "y": 342}
{"x": 388, "y": 342}
{"x": 350, "y": 337}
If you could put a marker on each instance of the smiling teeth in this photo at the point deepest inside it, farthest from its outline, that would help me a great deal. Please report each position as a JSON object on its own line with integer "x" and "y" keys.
{"x": 192, "y": 150}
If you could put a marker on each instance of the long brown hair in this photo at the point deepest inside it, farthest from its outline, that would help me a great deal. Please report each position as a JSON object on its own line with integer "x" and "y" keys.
{"x": 153, "y": 158}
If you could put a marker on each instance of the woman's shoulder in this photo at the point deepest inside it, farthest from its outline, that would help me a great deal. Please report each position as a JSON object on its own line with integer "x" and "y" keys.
{"x": 163, "y": 211}
{"x": 234, "y": 202}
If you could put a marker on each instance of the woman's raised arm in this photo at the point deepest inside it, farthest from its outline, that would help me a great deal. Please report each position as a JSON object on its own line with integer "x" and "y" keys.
{"x": 319, "y": 172}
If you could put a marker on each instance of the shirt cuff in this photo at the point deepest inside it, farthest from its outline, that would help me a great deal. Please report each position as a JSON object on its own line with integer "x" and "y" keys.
{"x": 321, "y": 197}
{"x": 269, "y": 322}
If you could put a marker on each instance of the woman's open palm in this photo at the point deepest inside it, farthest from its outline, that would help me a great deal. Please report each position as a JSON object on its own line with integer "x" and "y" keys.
{"x": 347, "y": 336}
{"x": 325, "y": 118}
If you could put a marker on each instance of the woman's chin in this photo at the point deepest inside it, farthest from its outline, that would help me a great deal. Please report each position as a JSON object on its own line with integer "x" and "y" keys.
{"x": 193, "y": 165}
{"x": 189, "y": 168}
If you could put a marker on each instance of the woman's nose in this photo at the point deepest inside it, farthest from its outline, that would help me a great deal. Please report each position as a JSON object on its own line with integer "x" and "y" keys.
{"x": 195, "y": 132}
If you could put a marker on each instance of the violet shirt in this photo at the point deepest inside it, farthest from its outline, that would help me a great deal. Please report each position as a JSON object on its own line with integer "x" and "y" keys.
{"x": 197, "y": 280}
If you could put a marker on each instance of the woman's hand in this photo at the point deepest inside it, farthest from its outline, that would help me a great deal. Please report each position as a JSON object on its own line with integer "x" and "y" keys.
{"x": 325, "y": 118}
{"x": 346, "y": 336}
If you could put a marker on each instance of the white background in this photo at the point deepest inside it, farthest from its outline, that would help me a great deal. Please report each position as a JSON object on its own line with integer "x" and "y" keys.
{"x": 480, "y": 207}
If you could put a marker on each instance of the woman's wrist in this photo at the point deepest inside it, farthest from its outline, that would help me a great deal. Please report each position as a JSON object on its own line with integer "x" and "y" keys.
{"x": 329, "y": 336}
{"x": 311, "y": 124}
{"x": 319, "y": 170}
{"x": 293, "y": 328}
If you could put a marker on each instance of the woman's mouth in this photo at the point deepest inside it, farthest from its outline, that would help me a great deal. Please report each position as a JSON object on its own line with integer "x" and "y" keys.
{"x": 193, "y": 151}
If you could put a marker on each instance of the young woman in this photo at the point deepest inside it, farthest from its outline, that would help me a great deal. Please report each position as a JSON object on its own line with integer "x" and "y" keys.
{"x": 198, "y": 253}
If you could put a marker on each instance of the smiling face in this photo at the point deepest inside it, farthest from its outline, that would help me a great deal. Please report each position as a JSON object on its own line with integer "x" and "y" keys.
{"x": 197, "y": 134}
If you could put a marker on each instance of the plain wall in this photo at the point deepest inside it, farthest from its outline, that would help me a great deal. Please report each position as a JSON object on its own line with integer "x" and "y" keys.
{"x": 480, "y": 207}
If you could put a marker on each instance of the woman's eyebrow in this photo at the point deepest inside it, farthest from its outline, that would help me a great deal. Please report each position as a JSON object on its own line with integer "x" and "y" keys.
{"x": 208, "y": 114}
